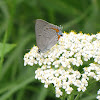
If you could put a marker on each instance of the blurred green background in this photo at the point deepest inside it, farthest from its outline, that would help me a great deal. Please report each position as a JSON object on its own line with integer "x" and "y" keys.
{"x": 17, "y": 36}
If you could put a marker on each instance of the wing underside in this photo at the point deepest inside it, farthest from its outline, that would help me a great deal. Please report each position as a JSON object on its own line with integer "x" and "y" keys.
{"x": 46, "y": 37}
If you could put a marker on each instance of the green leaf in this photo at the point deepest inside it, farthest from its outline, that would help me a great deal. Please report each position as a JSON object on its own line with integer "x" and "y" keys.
{"x": 42, "y": 94}
{"x": 92, "y": 97}
{"x": 11, "y": 87}
{"x": 8, "y": 48}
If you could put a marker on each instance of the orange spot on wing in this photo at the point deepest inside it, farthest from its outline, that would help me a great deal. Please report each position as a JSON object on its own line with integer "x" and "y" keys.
{"x": 57, "y": 32}
{"x": 58, "y": 36}
{"x": 55, "y": 29}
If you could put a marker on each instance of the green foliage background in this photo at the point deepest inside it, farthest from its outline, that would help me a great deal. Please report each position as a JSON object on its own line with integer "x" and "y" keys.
{"x": 17, "y": 36}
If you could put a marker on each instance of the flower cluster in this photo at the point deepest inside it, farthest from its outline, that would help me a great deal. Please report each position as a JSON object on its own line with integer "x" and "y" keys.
{"x": 61, "y": 64}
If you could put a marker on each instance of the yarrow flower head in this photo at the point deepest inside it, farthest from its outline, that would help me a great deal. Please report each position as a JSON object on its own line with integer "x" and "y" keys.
{"x": 61, "y": 64}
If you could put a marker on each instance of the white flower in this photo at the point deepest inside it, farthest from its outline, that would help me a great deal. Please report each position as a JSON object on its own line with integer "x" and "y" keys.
{"x": 84, "y": 82}
{"x": 85, "y": 76}
{"x": 46, "y": 84}
{"x": 98, "y": 91}
{"x": 47, "y": 61}
{"x": 56, "y": 63}
{"x": 97, "y": 77}
{"x": 68, "y": 62}
{"x": 77, "y": 83}
{"x": 81, "y": 88}
{"x": 65, "y": 84}
{"x": 92, "y": 74}
{"x": 98, "y": 97}
{"x": 69, "y": 90}
{"x": 58, "y": 92}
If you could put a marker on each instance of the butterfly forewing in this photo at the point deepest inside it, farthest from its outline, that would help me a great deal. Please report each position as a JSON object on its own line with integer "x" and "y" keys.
{"x": 46, "y": 36}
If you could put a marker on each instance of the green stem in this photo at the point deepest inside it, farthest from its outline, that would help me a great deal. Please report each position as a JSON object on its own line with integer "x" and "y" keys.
{"x": 71, "y": 97}
{"x": 77, "y": 97}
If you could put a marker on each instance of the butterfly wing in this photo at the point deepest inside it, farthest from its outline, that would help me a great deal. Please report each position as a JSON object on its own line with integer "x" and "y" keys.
{"x": 46, "y": 36}
{"x": 51, "y": 42}
{"x": 51, "y": 37}
{"x": 39, "y": 25}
